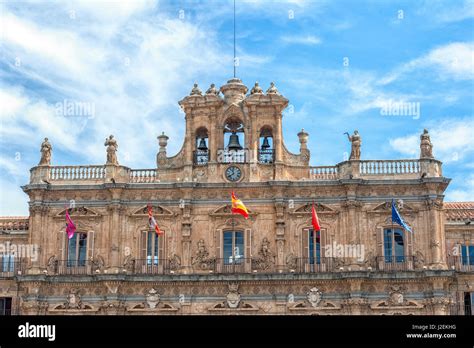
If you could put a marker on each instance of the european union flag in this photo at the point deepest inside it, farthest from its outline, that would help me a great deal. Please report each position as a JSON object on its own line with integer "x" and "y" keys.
{"x": 397, "y": 218}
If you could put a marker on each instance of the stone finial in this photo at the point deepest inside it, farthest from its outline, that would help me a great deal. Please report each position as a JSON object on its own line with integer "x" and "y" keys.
{"x": 46, "y": 150}
{"x": 356, "y": 142}
{"x": 256, "y": 89}
{"x": 303, "y": 138}
{"x": 272, "y": 89}
{"x": 196, "y": 90}
{"x": 112, "y": 148}
{"x": 162, "y": 141}
{"x": 426, "y": 147}
{"x": 212, "y": 90}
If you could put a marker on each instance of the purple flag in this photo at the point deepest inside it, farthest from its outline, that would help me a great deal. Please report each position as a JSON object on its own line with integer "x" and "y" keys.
{"x": 70, "y": 226}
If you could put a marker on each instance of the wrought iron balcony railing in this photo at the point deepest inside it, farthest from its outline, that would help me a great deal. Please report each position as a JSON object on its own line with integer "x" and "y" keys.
{"x": 200, "y": 157}
{"x": 72, "y": 267}
{"x": 232, "y": 156}
{"x": 11, "y": 266}
{"x": 459, "y": 264}
{"x": 151, "y": 266}
{"x": 266, "y": 156}
{"x": 395, "y": 263}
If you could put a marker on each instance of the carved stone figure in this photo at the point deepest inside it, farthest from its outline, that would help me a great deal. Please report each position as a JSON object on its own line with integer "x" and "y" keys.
{"x": 272, "y": 89}
{"x": 426, "y": 147}
{"x": 152, "y": 298}
{"x": 291, "y": 261}
{"x": 196, "y": 90}
{"x": 202, "y": 259}
{"x": 212, "y": 90}
{"x": 52, "y": 265}
{"x": 175, "y": 262}
{"x": 98, "y": 263}
{"x": 46, "y": 150}
{"x": 233, "y": 296}
{"x": 112, "y": 148}
{"x": 256, "y": 89}
{"x": 356, "y": 141}
{"x": 129, "y": 263}
{"x": 314, "y": 297}
{"x": 265, "y": 257}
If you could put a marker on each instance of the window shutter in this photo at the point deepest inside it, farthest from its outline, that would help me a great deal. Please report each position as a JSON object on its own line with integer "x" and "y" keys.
{"x": 218, "y": 243}
{"x": 90, "y": 245}
{"x": 142, "y": 245}
{"x": 61, "y": 240}
{"x": 161, "y": 246}
{"x": 322, "y": 238}
{"x": 409, "y": 241}
{"x": 248, "y": 243}
{"x": 305, "y": 236}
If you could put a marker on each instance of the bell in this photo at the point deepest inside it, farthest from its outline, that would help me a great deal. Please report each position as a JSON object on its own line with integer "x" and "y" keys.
{"x": 202, "y": 145}
{"x": 265, "y": 145}
{"x": 234, "y": 142}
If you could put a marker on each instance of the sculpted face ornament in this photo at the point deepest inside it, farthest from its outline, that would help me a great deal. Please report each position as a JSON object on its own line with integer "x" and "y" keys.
{"x": 314, "y": 297}
{"x": 233, "y": 297}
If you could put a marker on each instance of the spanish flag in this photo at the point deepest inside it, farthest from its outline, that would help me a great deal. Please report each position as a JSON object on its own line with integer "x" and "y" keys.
{"x": 152, "y": 221}
{"x": 238, "y": 207}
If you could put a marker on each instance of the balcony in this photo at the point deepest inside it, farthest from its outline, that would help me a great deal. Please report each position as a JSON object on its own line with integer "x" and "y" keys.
{"x": 395, "y": 263}
{"x": 72, "y": 267}
{"x": 456, "y": 263}
{"x": 11, "y": 266}
{"x": 200, "y": 157}
{"x": 266, "y": 156}
{"x": 232, "y": 156}
{"x": 152, "y": 266}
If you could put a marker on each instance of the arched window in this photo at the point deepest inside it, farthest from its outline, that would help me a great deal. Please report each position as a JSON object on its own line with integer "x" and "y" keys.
{"x": 201, "y": 147}
{"x": 234, "y": 140}
{"x": 266, "y": 151}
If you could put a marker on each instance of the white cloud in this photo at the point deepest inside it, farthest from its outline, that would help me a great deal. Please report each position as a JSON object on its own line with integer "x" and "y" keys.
{"x": 309, "y": 40}
{"x": 466, "y": 194}
{"x": 452, "y": 140}
{"x": 451, "y": 61}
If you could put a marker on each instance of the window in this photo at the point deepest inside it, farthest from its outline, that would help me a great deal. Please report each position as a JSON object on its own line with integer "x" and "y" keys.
{"x": 233, "y": 247}
{"x": 314, "y": 243}
{"x": 6, "y": 306}
{"x": 467, "y": 254}
{"x": 152, "y": 248}
{"x": 77, "y": 250}
{"x": 8, "y": 263}
{"x": 394, "y": 245}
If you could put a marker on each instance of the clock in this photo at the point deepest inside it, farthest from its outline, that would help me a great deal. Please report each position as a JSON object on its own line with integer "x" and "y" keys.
{"x": 233, "y": 173}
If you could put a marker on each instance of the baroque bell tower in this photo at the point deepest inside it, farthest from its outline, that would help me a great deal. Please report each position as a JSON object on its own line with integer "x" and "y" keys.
{"x": 234, "y": 136}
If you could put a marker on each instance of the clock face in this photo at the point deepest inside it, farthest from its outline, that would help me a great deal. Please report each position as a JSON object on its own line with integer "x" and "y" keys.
{"x": 233, "y": 173}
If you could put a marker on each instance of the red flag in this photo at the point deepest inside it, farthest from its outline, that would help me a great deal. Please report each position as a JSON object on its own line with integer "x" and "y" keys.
{"x": 70, "y": 226}
{"x": 152, "y": 221}
{"x": 315, "y": 220}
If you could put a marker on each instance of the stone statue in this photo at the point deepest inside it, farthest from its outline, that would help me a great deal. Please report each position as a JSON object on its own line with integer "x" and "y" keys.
{"x": 265, "y": 258}
{"x": 46, "y": 150}
{"x": 212, "y": 90}
{"x": 256, "y": 89}
{"x": 272, "y": 89}
{"x": 356, "y": 142}
{"x": 112, "y": 147}
{"x": 426, "y": 146}
{"x": 196, "y": 90}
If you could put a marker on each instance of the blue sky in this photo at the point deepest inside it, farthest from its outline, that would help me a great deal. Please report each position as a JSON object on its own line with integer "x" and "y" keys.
{"x": 338, "y": 62}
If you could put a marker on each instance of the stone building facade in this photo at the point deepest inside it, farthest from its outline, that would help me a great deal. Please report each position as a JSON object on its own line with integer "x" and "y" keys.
{"x": 210, "y": 261}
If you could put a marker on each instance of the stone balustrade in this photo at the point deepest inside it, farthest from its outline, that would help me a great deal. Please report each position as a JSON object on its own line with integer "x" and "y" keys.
{"x": 366, "y": 169}
{"x": 323, "y": 173}
{"x": 143, "y": 175}
{"x": 378, "y": 167}
{"x": 76, "y": 173}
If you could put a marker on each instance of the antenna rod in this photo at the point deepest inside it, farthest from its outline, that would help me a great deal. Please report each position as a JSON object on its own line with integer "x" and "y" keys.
{"x": 234, "y": 38}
